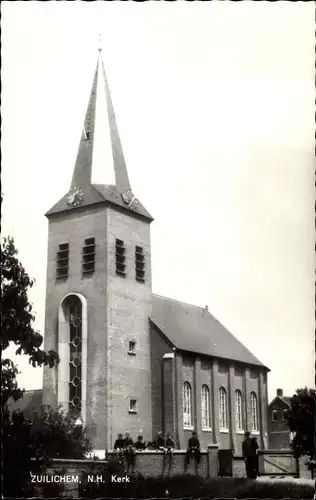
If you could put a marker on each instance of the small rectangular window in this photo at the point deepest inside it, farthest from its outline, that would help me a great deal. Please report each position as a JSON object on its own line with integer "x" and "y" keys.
{"x": 88, "y": 256}
{"x": 132, "y": 406}
{"x": 285, "y": 414}
{"x": 139, "y": 264}
{"x": 274, "y": 415}
{"x": 132, "y": 347}
{"x": 120, "y": 258}
{"x": 62, "y": 261}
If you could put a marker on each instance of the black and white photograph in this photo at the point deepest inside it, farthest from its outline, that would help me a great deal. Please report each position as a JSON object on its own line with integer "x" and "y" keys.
{"x": 158, "y": 249}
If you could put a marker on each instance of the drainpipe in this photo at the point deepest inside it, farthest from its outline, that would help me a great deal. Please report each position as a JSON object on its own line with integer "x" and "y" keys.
{"x": 175, "y": 399}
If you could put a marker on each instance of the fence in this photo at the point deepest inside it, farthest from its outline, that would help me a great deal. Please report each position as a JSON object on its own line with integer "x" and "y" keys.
{"x": 278, "y": 463}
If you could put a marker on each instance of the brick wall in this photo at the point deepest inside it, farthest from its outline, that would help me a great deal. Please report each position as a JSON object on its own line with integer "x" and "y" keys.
{"x": 128, "y": 308}
{"x": 76, "y": 470}
{"x": 73, "y": 228}
{"x": 151, "y": 463}
{"x": 148, "y": 463}
{"x": 118, "y": 311}
{"x": 198, "y": 370}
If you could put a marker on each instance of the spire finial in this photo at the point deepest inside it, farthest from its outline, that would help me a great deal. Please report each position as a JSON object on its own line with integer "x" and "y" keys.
{"x": 100, "y": 41}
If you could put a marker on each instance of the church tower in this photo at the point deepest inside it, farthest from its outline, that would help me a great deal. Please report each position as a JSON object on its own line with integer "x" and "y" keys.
{"x": 98, "y": 294}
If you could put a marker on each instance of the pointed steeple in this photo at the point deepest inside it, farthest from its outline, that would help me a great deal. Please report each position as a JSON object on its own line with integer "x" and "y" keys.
{"x": 121, "y": 175}
{"x": 82, "y": 192}
{"x": 83, "y": 166}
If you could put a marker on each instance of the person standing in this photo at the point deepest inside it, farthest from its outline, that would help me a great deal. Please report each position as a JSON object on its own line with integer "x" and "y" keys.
{"x": 249, "y": 452}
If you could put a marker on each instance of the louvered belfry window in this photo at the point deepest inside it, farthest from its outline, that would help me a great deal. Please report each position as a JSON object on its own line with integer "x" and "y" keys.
{"x": 88, "y": 256}
{"x": 139, "y": 264}
{"x": 62, "y": 261}
{"x": 75, "y": 346}
{"x": 120, "y": 258}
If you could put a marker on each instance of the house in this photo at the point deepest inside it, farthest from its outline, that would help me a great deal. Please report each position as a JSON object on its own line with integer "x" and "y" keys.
{"x": 279, "y": 433}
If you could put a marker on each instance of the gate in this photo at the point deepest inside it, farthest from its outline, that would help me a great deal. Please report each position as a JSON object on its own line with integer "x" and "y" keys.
{"x": 225, "y": 459}
{"x": 278, "y": 463}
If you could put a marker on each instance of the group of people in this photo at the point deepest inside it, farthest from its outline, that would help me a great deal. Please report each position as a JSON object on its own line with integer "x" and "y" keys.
{"x": 249, "y": 451}
{"x": 126, "y": 448}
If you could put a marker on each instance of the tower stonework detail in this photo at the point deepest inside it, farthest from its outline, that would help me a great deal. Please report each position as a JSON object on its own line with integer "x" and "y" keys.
{"x": 111, "y": 388}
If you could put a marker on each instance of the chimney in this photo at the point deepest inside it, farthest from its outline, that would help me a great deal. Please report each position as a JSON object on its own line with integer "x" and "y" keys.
{"x": 280, "y": 392}
{"x": 206, "y": 308}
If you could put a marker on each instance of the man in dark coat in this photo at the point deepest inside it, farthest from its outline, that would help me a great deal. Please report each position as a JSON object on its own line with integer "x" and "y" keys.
{"x": 249, "y": 451}
{"x": 193, "y": 450}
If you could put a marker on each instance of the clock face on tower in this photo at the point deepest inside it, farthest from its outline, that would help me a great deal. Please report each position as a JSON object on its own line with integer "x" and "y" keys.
{"x": 129, "y": 198}
{"x": 75, "y": 196}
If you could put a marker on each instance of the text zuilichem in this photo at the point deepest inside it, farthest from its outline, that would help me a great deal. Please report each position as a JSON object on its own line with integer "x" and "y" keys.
{"x": 54, "y": 479}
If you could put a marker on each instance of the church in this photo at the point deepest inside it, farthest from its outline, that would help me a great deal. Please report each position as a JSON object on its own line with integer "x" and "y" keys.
{"x": 131, "y": 360}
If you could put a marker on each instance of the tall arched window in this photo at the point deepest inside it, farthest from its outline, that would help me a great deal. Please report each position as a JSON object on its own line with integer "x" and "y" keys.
{"x": 72, "y": 349}
{"x": 222, "y": 409}
{"x": 187, "y": 405}
{"x": 75, "y": 343}
{"x": 205, "y": 406}
{"x": 238, "y": 402}
{"x": 254, "y": 411}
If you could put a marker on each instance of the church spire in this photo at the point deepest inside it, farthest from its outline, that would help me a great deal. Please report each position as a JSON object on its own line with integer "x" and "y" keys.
{"x": 121, "y": 175}
{"x": 82, "y": 192}
{"x": 83, "y": 166}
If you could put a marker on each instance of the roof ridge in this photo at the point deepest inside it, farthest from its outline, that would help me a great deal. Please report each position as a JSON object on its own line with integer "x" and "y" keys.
{"x": 180, "y": 302}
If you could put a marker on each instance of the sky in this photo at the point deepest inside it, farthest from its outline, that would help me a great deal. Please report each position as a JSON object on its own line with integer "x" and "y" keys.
{"x": 215, "y": 106}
